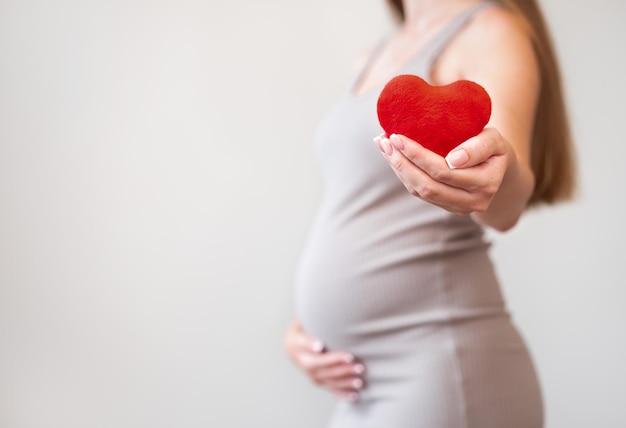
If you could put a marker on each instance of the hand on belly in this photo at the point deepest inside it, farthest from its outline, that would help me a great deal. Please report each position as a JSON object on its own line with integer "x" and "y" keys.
{"x": 337, "y": 371}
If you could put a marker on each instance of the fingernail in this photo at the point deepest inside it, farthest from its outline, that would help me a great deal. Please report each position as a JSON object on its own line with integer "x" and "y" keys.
{"x": 357, "y": 383}
{"x": 378, "y": 141}
{"x": 457, "y": 158}
{"x": 348, "y": 358}
{"x": 359, "y": 368}
{"x": 386, "y": 146}
{"x": 396, "y": 141}
{"x": 318, "y": 346}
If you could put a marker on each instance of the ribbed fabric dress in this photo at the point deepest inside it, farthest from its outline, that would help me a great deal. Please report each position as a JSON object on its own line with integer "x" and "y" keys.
{"x": 408, "y": 288}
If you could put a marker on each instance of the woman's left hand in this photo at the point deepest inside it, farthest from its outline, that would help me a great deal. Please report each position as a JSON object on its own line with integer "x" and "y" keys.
{"x": 466, "y": 181}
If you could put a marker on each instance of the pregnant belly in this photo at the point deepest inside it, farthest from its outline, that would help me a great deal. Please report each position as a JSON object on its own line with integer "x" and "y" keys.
{"x": 346, "y": 303}
{"x": 352, "y": 305}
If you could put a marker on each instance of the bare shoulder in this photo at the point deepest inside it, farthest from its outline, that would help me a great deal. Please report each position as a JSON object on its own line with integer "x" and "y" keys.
{"x": 497, "y": 38}
{"x": 497, "y": 19}
{"x": 495, "y": 41}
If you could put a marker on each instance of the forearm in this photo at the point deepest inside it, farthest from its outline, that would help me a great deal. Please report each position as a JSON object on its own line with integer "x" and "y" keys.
{"x": 510, "y": 200}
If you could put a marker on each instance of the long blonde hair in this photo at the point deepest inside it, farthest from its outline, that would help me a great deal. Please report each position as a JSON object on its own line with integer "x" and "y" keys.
{"x": 552, "y": 154}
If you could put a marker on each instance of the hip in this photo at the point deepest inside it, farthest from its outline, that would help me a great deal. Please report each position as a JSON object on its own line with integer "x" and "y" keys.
{"x": 476, "y": 373}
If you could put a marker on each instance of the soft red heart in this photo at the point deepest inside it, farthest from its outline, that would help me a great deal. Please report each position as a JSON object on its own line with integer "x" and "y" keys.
{"x": 437, "y": 117}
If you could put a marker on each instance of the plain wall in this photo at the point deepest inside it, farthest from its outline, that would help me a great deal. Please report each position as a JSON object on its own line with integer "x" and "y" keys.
{"x": 156, "y": 187}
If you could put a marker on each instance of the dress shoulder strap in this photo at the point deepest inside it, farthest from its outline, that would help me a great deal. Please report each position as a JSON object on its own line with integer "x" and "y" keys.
{"x": 433, "y": 50}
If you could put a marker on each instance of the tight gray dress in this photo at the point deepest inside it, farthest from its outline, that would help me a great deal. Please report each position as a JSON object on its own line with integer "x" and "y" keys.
{"x": 408, "y": 288}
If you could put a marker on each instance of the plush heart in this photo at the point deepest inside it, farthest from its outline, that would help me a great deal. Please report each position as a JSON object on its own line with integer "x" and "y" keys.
{"x": 437, "y": 117}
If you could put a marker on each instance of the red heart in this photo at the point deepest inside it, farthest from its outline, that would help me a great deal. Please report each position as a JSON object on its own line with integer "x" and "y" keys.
{"x": 437, "y": 117}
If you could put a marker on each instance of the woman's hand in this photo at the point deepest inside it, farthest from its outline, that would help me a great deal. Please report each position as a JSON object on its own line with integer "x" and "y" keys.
{"x": 467, "y": 180}
{"x": 464, "y": 182}
{"x": 339, "y": 372}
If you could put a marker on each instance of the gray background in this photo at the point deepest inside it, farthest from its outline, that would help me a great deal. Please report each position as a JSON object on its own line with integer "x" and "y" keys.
{"x": 157, "y": 183}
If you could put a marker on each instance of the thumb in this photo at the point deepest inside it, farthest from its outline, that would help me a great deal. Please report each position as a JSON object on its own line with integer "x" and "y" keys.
{"x": 311, "y": 344}
{"x": 475, "y": 150}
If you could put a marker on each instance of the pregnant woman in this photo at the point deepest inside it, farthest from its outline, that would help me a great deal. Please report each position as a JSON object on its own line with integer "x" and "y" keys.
{"x": 399, "y": 311}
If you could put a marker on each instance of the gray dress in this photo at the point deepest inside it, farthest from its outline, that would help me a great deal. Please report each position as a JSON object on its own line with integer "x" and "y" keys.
{"x": 408, "y": 288}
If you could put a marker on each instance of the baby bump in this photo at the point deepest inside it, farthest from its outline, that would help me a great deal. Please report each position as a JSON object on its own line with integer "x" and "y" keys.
{"x": 352, "y": 306}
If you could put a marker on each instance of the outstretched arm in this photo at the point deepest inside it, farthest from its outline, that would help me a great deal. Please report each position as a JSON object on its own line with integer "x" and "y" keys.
{"x": 488, "y": 176}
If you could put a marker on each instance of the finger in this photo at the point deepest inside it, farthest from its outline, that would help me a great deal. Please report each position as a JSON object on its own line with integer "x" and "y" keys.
{"x": 304, "y": 341}
{"x": 426, "y": 160}
{"x": 414, "y": 150}
{"x": 485, "y": 175}
{"x": 325, "y": 370}
{"x": 314, "y": 362}
{"x": 403, "y": 159}
{"x": 476, "y": 150}
{"x": 380, "y": 137}
{"x": 383, "y": 145}
{"x": 353, "y": 384}
{"x": 340, "y": 372}
{"x": 415, "y": 166}
{"x": 309, "y": 343}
